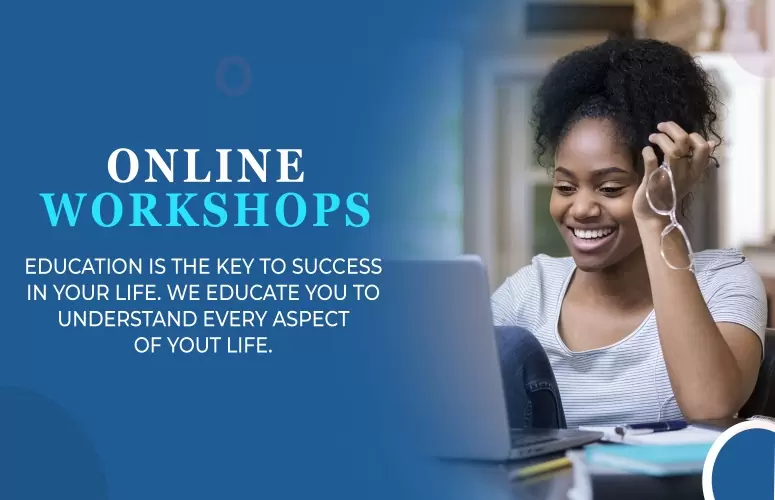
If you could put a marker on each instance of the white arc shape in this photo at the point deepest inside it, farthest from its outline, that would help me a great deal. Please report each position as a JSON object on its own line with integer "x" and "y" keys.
{"x": 710, "y": 460}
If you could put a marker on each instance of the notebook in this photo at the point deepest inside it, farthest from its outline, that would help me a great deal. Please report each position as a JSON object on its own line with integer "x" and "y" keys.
{"x": 591, "y": 482}
{"x": 653, "y": 460}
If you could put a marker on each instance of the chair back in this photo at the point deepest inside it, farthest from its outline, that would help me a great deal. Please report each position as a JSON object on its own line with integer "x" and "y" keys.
{"x": 762, "y": 401}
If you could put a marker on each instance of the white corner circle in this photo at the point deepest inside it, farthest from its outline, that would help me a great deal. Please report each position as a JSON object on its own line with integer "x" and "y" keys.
{"x": 710, "y": 460}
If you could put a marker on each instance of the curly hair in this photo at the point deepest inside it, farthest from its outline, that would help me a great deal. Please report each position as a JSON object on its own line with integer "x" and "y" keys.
{"x": 636, "y": 83}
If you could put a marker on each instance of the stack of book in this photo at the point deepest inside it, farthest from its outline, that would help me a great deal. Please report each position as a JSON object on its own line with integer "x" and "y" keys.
{"x": 661, "y": 465}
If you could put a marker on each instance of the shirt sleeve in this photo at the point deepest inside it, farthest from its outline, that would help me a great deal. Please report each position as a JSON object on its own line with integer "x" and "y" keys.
{"x": 510, "y": 296}
{"x": 739, "y": 297}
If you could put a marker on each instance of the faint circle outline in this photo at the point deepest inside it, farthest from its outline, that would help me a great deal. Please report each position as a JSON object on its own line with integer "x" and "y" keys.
{"x": 55, "y": 441}
{"x": 223, "y": 66}
{"x": 718, "y": 444}
{"x": 759, "y": 64}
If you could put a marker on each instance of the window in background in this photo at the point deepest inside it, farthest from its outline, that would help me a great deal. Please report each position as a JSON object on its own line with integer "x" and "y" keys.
{"x": 426, "y": 222}
{"x": 507, "y": 190}
{"x": 529, "y": 225}
{"x": 440, "y": 166}
{"x": 546, "y": 237}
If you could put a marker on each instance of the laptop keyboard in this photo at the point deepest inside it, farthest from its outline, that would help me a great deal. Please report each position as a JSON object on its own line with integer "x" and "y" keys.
{"x": 526, "y": 439}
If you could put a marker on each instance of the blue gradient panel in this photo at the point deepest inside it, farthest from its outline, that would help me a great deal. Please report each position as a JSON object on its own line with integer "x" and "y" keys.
{"x": 82, "y": 414}
{"x": 745, "y": 466}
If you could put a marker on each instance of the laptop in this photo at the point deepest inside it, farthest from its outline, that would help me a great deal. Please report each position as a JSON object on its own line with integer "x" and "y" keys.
{"x": 449, "y": 323}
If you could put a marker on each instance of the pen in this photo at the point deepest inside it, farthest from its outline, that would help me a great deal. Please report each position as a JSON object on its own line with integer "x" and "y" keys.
{"x": 650, "y": 428}
{"x": 541, "y": 468}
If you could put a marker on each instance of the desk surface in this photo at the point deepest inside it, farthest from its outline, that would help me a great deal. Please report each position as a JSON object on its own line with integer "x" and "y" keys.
{"x": 491, "y": 482}
{"x": 556, "y": 485}
{"x": 552, "y": 486}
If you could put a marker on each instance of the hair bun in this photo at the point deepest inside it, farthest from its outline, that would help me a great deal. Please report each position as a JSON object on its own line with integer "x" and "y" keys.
{"x": 636, "y": 83}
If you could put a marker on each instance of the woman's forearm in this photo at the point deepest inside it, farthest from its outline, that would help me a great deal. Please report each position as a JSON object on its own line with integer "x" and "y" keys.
{"x": 705, "y": 377}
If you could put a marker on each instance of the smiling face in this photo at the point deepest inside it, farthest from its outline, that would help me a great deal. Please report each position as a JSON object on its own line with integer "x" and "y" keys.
{"x": 591, "y": 202}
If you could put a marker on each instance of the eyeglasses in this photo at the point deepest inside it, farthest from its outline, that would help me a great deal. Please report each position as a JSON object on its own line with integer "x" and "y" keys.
{"x": 661, "y": 195}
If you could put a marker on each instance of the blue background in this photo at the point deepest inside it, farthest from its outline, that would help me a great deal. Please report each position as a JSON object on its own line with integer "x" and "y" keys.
{"x": 82, "y": 415}
{"x": 745, "y": 466}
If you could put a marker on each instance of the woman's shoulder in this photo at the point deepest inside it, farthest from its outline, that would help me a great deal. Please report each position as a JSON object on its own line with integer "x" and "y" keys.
{"x": 552, "y": 269}
{"x": 733, "y": 289}
{"x": 533, "y": 284}
{"x": 721, "y": 260}
{"x": 727, "y": 269}
{"x": 543, "y": 269}
{"x": 524, "y": 294}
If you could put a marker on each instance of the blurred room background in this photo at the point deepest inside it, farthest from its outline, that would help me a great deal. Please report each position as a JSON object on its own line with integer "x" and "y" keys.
{"x": 486, "y": 193}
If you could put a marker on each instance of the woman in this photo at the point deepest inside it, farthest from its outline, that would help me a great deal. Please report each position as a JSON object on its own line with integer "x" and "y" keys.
{"x": 626, "y": 333}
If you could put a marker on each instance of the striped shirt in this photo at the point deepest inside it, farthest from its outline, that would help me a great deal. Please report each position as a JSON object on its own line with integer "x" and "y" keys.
{"x": 625, "y": 382}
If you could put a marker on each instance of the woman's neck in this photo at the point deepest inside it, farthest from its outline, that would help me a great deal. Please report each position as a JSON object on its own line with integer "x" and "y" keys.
{"x": 625, "y": 285}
